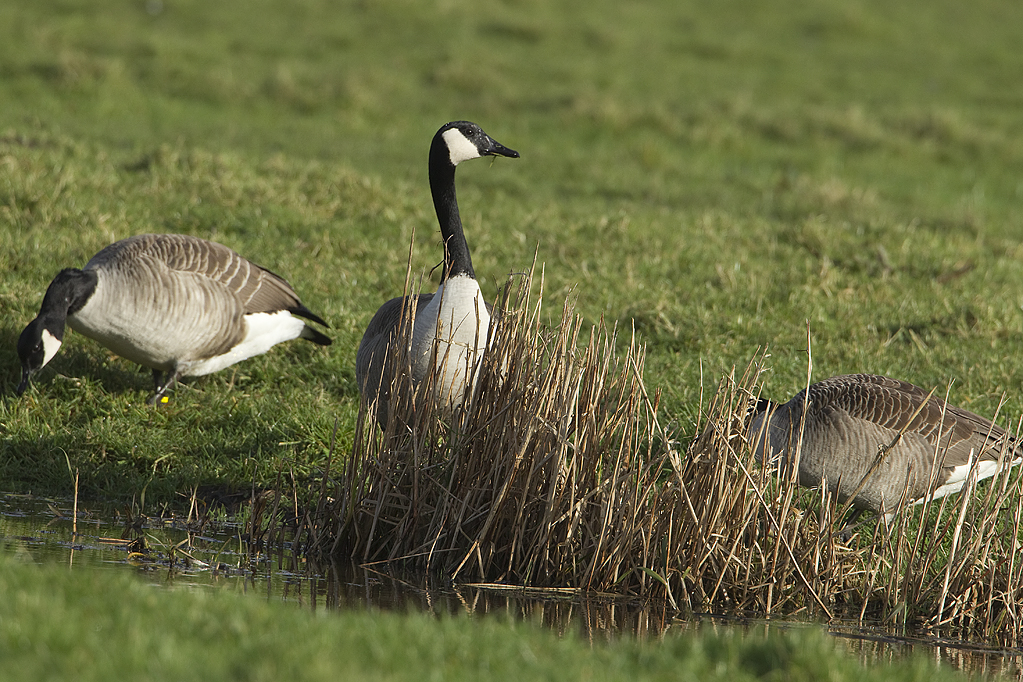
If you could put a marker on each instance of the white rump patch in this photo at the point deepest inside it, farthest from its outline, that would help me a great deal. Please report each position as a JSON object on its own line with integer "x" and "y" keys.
{"x": 263, "y": 331}
{"x": 459, "y": 147}
{"x": 51, "y": 344}
{"x": 957, "y": 479}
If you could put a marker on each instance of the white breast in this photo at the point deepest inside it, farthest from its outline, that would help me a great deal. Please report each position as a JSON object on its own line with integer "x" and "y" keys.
{"x": 456, "y": 322}
{"x": 116, "y": 321}
{"x": 172, "y": 321}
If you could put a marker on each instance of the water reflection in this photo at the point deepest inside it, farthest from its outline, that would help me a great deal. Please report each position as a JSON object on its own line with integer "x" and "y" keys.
{"x": 210, "y": 553}
{"x": 873, "y": 645}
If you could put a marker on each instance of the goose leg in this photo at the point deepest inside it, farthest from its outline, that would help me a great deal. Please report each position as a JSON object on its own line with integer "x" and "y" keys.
{"x": 162, "y": 381}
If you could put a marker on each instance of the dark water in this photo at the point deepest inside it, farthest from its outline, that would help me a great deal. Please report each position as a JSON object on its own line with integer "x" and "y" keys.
{"x": 211, "y": 554}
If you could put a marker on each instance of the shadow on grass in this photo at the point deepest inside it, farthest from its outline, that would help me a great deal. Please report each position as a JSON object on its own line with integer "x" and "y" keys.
{"x": 72, "y": 368}
{"x": 10, "y": 375}
{"x": 48, "y": 464}
{"x": 70, "y": 364}
{"x": 75, "y": 365}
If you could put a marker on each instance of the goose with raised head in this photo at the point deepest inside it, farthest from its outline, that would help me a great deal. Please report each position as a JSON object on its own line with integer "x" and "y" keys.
{"x": 450, "y": 330}
{"x": 180, "y": 305}
{"x": 879, "y": 440}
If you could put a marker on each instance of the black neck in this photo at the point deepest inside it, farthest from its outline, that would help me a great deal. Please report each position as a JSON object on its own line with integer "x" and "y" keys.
{"x": 442, "y": 184}
{"x": 66, "y": 295}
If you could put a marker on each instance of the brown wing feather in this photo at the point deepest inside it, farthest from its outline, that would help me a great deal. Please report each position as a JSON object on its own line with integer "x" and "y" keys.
{"x": 258, "y": 289}
{"x": 896, "y": 405}
{"x": 371, "y": 359}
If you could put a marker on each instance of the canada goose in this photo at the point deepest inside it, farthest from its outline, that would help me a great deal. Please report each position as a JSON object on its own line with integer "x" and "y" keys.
{"x": 180, "y": 305}
{"x": 852, "y": 419}
{"x": 451, "y": 324}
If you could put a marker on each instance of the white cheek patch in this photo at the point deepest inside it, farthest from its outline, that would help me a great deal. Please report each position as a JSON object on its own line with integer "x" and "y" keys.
{"x": 51, "y": 344}
{"x": 459, "y": 147}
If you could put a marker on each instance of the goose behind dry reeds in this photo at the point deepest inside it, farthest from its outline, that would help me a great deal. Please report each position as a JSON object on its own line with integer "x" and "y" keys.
{"x": 451, "y": 325}
{"x": 850, "y": 419}
{"x": 180, "y": 305}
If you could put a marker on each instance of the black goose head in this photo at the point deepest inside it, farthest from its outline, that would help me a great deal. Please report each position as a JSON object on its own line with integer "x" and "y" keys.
{"x": 37, "y": 345}
{"x": 464, "y": 140}
{"x": 761, "y": 405}
{"x": 43, "y": 336}
{"x": 456, "y": 142}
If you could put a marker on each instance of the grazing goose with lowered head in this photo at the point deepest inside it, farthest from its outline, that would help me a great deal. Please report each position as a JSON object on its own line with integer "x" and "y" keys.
{"x": 852, "y": 419}
{"x": 180, "y": 305}
{"x": 451, "y": 324}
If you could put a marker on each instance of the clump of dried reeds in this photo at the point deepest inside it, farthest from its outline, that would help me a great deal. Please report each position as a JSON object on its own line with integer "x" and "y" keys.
{"x": 951, "y": 564}
{"x": 556, "y": 472}
{"x": 744, "y": 541}
{"x": 544, "y": 476}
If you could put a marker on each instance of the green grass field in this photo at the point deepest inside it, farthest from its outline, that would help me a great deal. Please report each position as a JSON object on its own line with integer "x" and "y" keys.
{"x": 717, "y": 175}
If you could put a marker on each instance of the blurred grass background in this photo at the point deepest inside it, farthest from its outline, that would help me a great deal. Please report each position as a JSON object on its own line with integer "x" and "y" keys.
{"x": 718, "y": 175}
